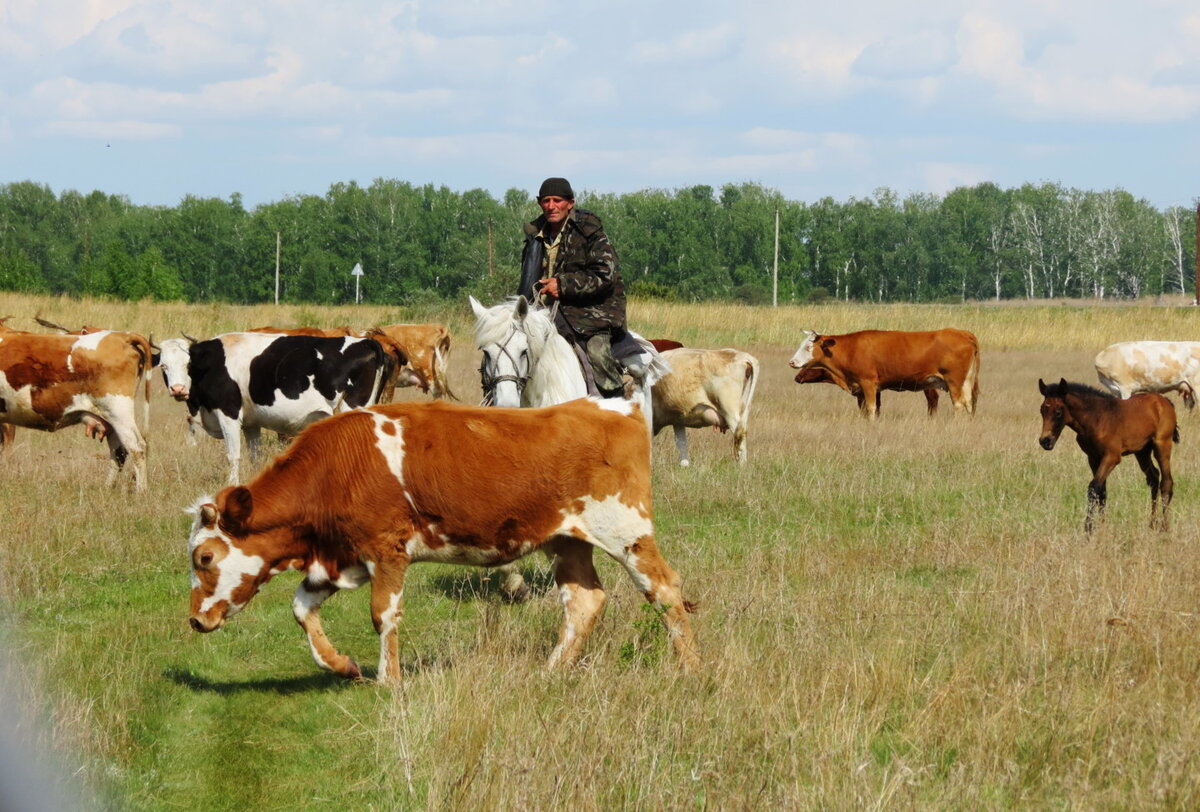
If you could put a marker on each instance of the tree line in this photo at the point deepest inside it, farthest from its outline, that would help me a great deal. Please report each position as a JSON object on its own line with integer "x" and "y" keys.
{"x": 421, "y": 243}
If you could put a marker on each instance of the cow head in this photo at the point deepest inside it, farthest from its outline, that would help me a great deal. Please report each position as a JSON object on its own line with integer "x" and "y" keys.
{"x": 174, "y": 355}
{"x": 815, "y": 346}
{"x": 1054, "y": 412}
{"x": 505, "y": 367}
{"x": 226, "y": 571}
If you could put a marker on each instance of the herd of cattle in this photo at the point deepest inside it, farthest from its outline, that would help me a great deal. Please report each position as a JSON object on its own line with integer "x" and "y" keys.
{"x": 439, "y": 482}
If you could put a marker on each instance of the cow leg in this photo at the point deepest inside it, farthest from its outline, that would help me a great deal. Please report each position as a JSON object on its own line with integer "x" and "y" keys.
{"x": 681, "y": 443}
{"x": 7, "y": 432}
{"x": 582, "y": 597}
{"x": 253, "y": 444}
{"x": 231, "y": 430}
{"x": 868, "y": 401}
{"x": 662, "y": 587}
{"x": 931, "y": 401}
{"x": 306, "y": 607}
{"x": 387, "y": 591}
{"x": 125, "y": 442}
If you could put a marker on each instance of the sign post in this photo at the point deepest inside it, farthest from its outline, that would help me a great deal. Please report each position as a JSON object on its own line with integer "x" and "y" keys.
{"x": 357, "y": 273}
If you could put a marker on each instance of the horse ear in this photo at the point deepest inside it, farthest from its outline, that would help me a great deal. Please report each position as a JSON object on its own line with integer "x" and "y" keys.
{"x": 1042, "y": 387}
{"x": 476, "y": 307}
{"x": 522, "y": 309}
{"x": 1062, "y": 385}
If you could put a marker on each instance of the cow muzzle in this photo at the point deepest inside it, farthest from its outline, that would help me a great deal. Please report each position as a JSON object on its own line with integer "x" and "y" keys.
{"x": 202, "y": 624}
{"x": 179, "y": 392}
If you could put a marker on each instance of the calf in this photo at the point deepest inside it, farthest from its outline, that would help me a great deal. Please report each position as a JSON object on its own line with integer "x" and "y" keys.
{"x": 241, "y": 383}
{"x": 361, "y": 496}
{"x": 1129, "y": 367}
{"x": 428, "y": 348}
{"x": 706, "y": 388}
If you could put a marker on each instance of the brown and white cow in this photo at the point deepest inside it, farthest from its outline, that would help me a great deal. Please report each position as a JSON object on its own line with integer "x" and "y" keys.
{"x": 427, "y": 347}
{"x": 1129, "y": 367}
{"x": 48, "y": 382}
{"x": 361, "y": 495}
{"x": 867, "y": 362}
{"x": 706, "y": 388}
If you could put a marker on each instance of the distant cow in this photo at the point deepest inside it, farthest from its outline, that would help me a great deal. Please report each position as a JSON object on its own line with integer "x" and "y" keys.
{"x": 405, "y": 372}
{"x": 1151, "y": 366}
{"x": 48, "y": 382}
{"x": 428, "y": 348}
{"x": 241, "y": 383}
{"x": 867, "y": 362}
{"x": 706, "y": 388}
{"x": 361, "y": 496}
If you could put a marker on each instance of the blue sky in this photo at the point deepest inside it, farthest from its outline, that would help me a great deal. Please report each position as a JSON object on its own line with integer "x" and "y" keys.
{"x": 157, "y": 100}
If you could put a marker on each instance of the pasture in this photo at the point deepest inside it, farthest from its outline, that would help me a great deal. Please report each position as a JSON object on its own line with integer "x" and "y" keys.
{"x": 897, "y": 614}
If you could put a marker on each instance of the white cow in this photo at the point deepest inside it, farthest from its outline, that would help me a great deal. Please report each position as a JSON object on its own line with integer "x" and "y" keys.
{"x": 1129, "y": 367}
{"x": 706, "y": 388}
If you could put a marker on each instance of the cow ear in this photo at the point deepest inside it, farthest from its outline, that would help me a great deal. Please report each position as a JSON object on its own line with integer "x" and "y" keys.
{"x": 826, "y": 344}
{"x": 239, "y": 504}
{"x": 208, "y": 516}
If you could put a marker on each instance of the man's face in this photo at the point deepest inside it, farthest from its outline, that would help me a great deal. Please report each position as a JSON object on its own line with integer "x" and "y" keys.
{"x": 556, "y": 208}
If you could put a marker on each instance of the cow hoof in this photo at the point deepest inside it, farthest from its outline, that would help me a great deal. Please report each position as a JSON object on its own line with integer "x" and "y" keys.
{"x": 684, "y": 463}
{"x": 352, "y": 672}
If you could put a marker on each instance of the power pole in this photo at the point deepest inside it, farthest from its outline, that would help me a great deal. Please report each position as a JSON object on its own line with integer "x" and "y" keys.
{"x": 491, "y": 253}
{"x": 775, "y": 274}
{"x": 278, "y": 240}
{"x": 1197, "y": 259}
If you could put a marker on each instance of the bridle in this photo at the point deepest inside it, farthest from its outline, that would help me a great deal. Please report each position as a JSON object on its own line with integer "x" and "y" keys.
{"x": 490, "y": 381}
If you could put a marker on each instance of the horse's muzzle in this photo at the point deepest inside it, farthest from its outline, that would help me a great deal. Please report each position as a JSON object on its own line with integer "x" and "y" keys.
{"x": 1047, "y": 442}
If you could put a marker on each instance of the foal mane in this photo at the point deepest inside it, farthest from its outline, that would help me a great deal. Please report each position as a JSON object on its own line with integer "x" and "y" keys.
{"x": 1081, "y": 389}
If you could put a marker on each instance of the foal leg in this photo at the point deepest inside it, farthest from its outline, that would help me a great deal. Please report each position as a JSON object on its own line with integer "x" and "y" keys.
{"x": 1162, "y": 453}
{"x": 582, "y": 597}
{"x": 1102, "y": 466}
{"x": 1145, "y": 459}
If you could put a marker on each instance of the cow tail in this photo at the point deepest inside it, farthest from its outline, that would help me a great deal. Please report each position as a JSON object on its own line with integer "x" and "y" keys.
{"x": 145, "y": 351}
{"x": 385, "y": 369}
{"x": 973, "y": 373}
{"x": 441, "y": 352}
{"x": 749, "y": 384}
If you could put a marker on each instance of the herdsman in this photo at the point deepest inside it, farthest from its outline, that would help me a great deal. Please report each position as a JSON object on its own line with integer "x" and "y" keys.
{"x": 568, "y": 261}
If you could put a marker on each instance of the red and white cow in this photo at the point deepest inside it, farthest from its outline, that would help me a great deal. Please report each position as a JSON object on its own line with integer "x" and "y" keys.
{"x": 427, "y": 347}
{"x": 867, "y": 362}
{"x": 706, "y": 388}
{"x": 1129, "y": 367}
{"x": 240, "y": 383}
{"x": 360, "y": 496}
{"x": 48, "y": 382}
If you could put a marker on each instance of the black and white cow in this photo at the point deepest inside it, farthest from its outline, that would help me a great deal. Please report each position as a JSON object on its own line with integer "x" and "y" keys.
{"x": 241, "y": 383}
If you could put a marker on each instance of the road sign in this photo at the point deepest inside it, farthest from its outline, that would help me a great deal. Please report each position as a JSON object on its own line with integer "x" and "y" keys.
{"x": 357, "y": 273}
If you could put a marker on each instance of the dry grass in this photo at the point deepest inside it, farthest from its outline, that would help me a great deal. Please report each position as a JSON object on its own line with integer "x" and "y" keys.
{"x": 892, "y": 615}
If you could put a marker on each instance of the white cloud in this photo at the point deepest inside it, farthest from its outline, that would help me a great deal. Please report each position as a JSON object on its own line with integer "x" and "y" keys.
{"x": 688, "y": 47}
{"x": 113, "y": 130}
{"x": 906, "y": 56}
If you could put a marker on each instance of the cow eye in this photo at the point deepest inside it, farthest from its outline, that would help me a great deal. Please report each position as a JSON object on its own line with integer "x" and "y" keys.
{"x": 204, "y": 559}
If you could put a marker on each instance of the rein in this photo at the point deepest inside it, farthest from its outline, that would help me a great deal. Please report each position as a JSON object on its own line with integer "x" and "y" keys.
{"x": 490, "y": 381}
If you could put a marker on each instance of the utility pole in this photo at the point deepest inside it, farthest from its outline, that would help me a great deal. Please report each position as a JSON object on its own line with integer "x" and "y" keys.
{"x": 1197, "y": 259}
{"x": 491, "y": 253}
{"x": 775, "y": 273}
{"x": 278, "y": 240}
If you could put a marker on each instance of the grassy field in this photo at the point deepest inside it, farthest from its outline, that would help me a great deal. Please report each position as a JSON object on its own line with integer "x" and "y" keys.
{"x": 896, "y": 614}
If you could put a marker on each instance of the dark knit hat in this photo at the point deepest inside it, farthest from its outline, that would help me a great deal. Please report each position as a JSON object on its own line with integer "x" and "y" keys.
{"x": 556, "y": 187}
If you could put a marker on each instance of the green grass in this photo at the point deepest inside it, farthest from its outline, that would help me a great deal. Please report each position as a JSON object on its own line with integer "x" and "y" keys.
{"x": 899, "y": 614}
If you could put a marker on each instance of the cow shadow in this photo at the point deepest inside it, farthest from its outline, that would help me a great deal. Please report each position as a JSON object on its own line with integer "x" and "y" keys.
{"x": 197, "y": 683}
{"x": 468, "y": 585}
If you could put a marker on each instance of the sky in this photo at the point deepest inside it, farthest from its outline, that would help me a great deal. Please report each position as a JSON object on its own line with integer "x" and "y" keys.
{"x": 156, "y": 100}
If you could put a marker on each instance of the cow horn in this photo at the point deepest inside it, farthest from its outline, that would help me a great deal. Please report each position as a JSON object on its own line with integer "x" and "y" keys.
{"x": 188, "y": 337}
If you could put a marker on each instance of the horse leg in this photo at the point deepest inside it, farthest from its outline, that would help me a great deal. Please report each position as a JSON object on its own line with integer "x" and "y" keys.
{"x": 1102, "y": 466}
{"x": 1166, "y": 488}
{"x": 1145, "y": 459}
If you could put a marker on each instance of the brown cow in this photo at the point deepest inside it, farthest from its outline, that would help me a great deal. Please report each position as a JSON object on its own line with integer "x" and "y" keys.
{"x": 48, "y": 382}
{"x": 428, "y": 347}
{"x": 867, "y": 362}
{"x": 359, "y": 496}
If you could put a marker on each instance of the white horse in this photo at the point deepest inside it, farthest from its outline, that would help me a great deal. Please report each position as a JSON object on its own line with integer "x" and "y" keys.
{"x": 527, "y": 364}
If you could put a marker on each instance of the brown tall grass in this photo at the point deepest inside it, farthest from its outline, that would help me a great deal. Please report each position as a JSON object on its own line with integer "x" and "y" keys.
{"x": 896, "y": 614}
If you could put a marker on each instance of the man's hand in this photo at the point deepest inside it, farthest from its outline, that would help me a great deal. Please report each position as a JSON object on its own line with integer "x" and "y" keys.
{"x": 549, "y": 287}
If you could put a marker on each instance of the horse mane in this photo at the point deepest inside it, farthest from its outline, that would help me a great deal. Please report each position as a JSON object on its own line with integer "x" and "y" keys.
{"x": 1082, "y": 389}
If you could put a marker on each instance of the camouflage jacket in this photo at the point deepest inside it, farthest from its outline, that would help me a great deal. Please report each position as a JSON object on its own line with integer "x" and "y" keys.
{"x": 591, "y": 292}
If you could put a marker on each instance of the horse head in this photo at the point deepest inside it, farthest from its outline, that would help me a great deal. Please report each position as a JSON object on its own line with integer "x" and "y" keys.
{"x": 1054, "y": 412}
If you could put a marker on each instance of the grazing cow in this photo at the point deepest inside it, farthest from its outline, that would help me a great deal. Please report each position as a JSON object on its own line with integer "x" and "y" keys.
{"x": 48, "y": 382}
{"x": 360, "y": 496}
{"x": 428, "y": 347}
{"x": 241, "y": 383}
{"x": 706, "y": 388}
{"x": 403, "y": 373}
{"x": 1130, "y": 367}
{"x": 867, "y": 362}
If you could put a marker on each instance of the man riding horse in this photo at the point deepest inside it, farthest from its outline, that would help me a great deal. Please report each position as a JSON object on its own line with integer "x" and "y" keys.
{"x": 569, "y": 264}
